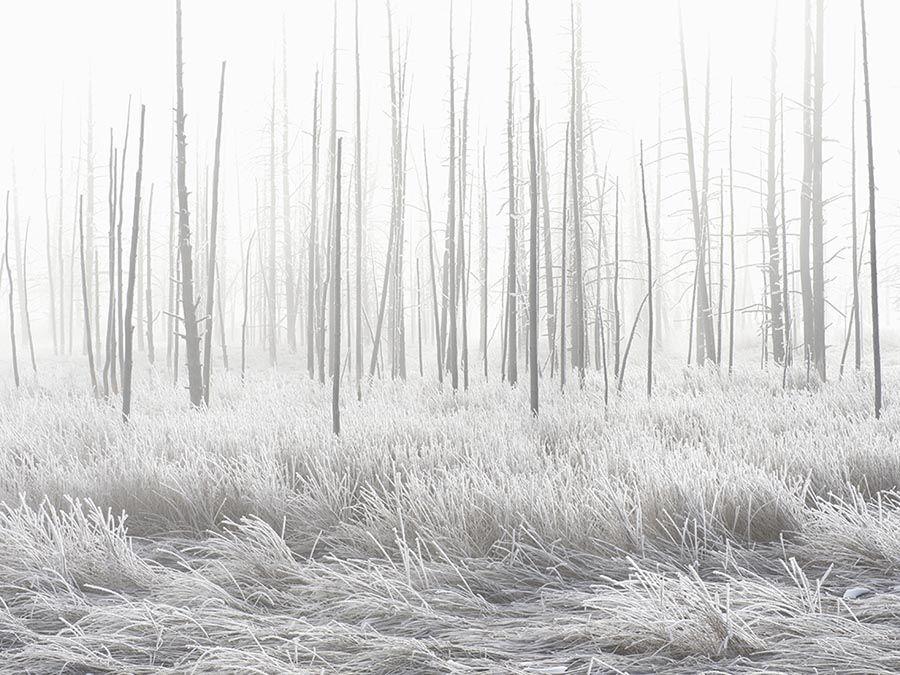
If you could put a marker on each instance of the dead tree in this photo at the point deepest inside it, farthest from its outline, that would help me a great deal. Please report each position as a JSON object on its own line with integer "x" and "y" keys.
{"x": 246, "y": 265}
{"x": 564, "y": 269}
{"x": 776, "y": 319}
{"x": 873, "y": 251}
{"x": 110, "y": 380}
{"x": 335, "y": 322}
{"x": 705, "y": 338}
{"x": 577, "y": 160}
{"x": 52, "y": 287}
{"x": 818, "y": 218}
{"x": 173, "y": 258}
{"x": 188, "y": 302}
{"x": 12, "y": 316}
{"x": 213, "y": 238}
{"x": 649, "y": 281}
{"x": 548, "y": 251}
{"x": 511, "y": 292}
{"x": 132, "y": 268}
{"x": 86, "y": 307}
{"x": 313, "y": 263}
{"x": 290, "y": 290}
{"x": 806, "y": 288}
{"x": 857, "y": 340}
{"x": 360, "y": 170}
{"x": 148, "y": 300}
{"x": 617, "y": 315}
{"x": 21, "y": 272}
{"x": 450, "y": 252}
{"x": 533, "y": 242}
{"x": 484, "y": 265}
{"x": 271, "y": 301}
{"x": 731, "y": 285}
{"x": 120, "y": 325}
{"x": 431, "y": 264}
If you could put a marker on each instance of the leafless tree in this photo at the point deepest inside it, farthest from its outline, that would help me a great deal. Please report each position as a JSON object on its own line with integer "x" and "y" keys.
{"x": 127, "y": 346}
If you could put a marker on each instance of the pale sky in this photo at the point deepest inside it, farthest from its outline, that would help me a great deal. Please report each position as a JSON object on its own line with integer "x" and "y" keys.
{"x": 51, "y": 48}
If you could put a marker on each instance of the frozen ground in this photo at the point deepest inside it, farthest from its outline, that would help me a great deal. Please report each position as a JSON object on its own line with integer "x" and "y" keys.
{"x": 714, "y": 528}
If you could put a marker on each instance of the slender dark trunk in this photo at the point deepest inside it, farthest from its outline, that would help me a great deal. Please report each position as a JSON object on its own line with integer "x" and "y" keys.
{"x": 335, "y": 322}
{"x": 873, "y": 251}
{"x": 128, "y": 355}
{"x": 213, "y": 239}
{"x": 188, "y": 302}
{"x": 533, "y": 242}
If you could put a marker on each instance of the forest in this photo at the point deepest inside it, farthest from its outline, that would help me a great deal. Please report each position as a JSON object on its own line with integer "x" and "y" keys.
{"x": 526, "y": 337}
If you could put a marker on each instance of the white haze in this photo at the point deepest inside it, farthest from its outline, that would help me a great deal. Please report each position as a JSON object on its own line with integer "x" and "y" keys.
{"x": 51, "y": 50}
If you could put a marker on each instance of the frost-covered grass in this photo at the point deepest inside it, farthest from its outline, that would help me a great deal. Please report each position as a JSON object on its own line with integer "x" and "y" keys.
{"x": 713, "y": 528}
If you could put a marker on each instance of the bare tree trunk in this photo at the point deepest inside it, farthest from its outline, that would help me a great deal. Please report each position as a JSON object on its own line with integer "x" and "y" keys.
{"x": 649, "y": 282}
{"x": 120, "y": 325}
{"x": 59, "y": 242}
{"x": 271, "y": 305}
{"x": 360, "y": 171}
{"x": 109, "y": 365}
{"x": 731, "y": 285}
{"x": 577, "y": 159}
{"x": 857, "y": 339}
{"x": 86, "y": 306}
{"x": 512, "y": 372}
{"x": 52, "y": 288}
{"x": 246, "y": 266}
{"x": 548, "y": 252}
{"x": 132, "y": 268}
{"x": 873, "y": 251}
{"x": 313, "y": 283}
{"x": 484, "y": 265}
{"x": 533, "y": 242}
{"x": 564, "y": 270}
{"x": 775, "y": 253}
{"x": 785, "y": 300}
{"x": 22, "y": 272}
{"x": 173, "y": 261}
{"x": 290, "y": 291}
{"x": 818, "y": 218}
{"x": 335, "y": 323}
{"x": 617, "y": 317}
{"x": 213, "y": 239}
{"x": 437, "y": 324}
{"x": 450, "y": 255}
{"x": 148, "y": 301}
{"x": 705, "y": 340}
{"x": 806, "y": 191}
{"x": 188, "y": 302}
{"x": 12, "y": 317}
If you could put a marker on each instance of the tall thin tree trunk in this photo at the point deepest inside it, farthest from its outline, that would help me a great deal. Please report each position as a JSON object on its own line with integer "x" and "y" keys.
{"x": 731, "y": 285}
{"x": 649, "y": 281}
{"x": 774, "y": 263}
{"x": 271, "y": 304}
{"x": 290, "y": 291}
{"x": 213, "y": 239}
{"x": 188, "y": 302}
{"x": 512, "y": 372}
{"x": 313, "y": 264}
{"x": 360, "y": 171}
{"x": 335, "y": 322}
{"x": 533, "y": 239}
{"x": 818, "y": 218}
{"x": 857, "y": 339}
{"x": 705, "y": 341}
{"x": 86, "y": 306}
{"x": 49, "y": 238}
{"x": 564, "y": 270}
{"x": 132, "y": 269}
{"x": 12, "y": 316}
{"x": 873, "y": 251}
{"x": 148, "y": 289}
